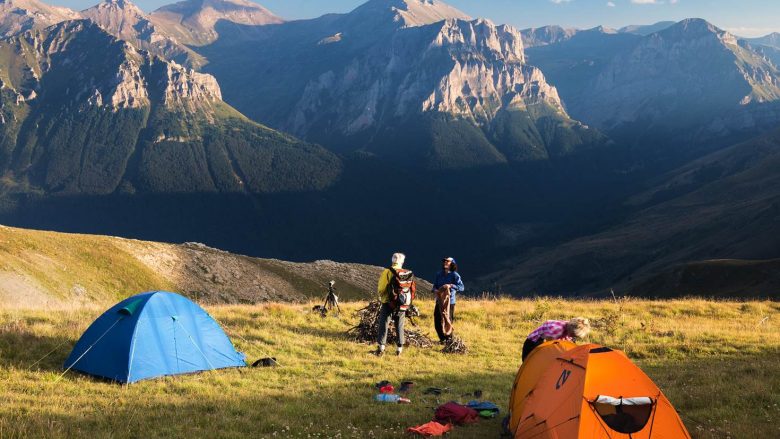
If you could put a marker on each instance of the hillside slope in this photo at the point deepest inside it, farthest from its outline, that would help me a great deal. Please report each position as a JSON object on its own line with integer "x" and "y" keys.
{"x": 689, "y": 83}
{"x": 135, "y": 122}
{"x": 54, "y": 270}
{"x": 723, "y": 206}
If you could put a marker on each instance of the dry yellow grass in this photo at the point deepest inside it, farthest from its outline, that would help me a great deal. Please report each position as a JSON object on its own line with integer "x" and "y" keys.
{"x": 718, "y": 362}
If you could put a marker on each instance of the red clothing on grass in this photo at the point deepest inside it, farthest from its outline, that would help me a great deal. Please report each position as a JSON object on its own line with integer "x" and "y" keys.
{"x": 432, "y": 428}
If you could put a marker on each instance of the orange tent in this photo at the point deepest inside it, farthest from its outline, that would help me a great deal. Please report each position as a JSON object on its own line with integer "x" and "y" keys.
{"x": 534, "y": 366}
{"x": 591, "y": 392}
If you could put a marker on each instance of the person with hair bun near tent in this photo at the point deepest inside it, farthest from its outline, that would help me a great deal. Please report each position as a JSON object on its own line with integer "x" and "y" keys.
{"x": 446, "y": 285}
{"x": 578, "y": 327}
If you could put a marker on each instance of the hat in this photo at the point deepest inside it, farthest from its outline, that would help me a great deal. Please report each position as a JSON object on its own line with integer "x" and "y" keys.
{"x": 452, "y": 260}
{"x": 331, "y": 283}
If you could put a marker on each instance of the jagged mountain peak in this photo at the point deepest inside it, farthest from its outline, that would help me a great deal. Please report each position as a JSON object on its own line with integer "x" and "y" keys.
{"x": 105, "y": 71}
{"x": 646, "y": 29}
{"x": 409, "y": 13}
{"x": 125, "y": 20}
{"x": 419, "y": 75}
{"x": 546, "y": 35}
{"x": 111, "y": 14}
{"x": 692, "y": 27}
{"x": 689, "y": 73}
{"x": 602, "y": 29}
{"x": 771, "y": 40}
{"x": 194, "y": 7}
{"x": 17, "y": 16}
{"x": 118, "y": 4}
{"x": 195, "y": 21}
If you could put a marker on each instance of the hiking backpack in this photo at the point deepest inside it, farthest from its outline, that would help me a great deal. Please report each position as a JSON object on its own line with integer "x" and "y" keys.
{"x": 404, "y": 288}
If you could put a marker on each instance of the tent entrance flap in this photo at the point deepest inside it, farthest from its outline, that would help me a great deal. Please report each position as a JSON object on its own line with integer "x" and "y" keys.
{"x": 624, "y": 415}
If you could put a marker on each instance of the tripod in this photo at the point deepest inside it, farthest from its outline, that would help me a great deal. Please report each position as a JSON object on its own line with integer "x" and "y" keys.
{"x": 332, "y": 300}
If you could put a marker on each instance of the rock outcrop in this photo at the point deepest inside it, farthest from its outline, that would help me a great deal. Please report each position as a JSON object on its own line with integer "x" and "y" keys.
{"x": 195, "y": 22}
{"x": 123, "y": 77}
{"x": 358, "y": 80}
{"x": 86, "y": 113}
{"x": 126, "y": 21}
{"x": 17, "y": 16}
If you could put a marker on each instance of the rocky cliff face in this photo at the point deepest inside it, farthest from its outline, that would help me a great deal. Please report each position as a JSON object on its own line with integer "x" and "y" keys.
{"x": 546, "y": 35}
{"x": 682, "y": 76}
{"x": 17, "y": 16}
{"x": 85, "y": 113}
{"x": 195, "y": 22}
{"x": 354, "y": 82}
{"x": 128, "y": 22}
{"x": 471, "y": 70}
{"x": 404, "y": 13}
{"x": 121, "y": 77}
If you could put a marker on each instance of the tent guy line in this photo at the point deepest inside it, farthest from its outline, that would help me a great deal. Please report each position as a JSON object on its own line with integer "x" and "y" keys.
{"x": 88, "y": 349}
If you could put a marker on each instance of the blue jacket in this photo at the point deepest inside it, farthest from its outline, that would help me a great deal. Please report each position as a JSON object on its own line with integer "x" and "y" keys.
{"x": 453, "y": 278}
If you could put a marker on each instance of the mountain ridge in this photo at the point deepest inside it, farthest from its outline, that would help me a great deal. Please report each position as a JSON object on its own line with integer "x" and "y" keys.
{"x": 194, "y": 21}
{"x": 17, "y": 16}
{"x": 356, "y": 79}
{"x": 722, "y": 206}
{"x": 128, "y": 22}
{"x": 50, "y": 270}
{"x": 689, "y": 83}
{"x": 137, "y": 123}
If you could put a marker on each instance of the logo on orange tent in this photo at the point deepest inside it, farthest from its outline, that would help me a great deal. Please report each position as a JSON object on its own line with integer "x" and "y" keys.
{"x": 562, "y": 379}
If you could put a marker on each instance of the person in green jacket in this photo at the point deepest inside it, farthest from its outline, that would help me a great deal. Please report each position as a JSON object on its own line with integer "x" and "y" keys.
{"x": 384, "y": 290}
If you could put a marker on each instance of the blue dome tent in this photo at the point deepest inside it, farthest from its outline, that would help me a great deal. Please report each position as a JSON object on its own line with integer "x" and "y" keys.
{"x": 151, "y": 335}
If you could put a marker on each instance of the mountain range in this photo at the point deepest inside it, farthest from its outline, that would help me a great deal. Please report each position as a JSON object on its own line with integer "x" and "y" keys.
{"x": 413, "y": 79}
{"x": 688, "y": 83}
{"x": 83, "y": 112}
{"x": 567, "y": 160}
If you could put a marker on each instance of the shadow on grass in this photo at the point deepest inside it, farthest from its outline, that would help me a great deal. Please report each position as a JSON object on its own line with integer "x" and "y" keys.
{"x": 23, "y": 350}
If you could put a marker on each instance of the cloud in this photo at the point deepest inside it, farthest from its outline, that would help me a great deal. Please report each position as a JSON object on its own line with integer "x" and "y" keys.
{"x": 611, "y": 4}
{"x": 558, "y": 2}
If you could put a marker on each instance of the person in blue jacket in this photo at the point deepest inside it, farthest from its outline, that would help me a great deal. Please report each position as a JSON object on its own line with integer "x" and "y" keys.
{"x": 446, "y": 285}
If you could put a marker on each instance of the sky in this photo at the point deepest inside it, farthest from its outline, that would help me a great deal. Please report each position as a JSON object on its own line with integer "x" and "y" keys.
{"x": 746, "y": 18}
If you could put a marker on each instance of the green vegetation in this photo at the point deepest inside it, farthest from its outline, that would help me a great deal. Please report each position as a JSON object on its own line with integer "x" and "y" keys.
{"x": 55, "y": 268}
{"x": 716, "y": 361}
{"x": 156, "y": 139}
{"x": 49, "y": 270}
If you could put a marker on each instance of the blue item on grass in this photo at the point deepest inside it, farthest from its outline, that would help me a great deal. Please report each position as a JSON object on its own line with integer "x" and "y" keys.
{"x": 150, "y": 335}
{"x": 481, "y": 406}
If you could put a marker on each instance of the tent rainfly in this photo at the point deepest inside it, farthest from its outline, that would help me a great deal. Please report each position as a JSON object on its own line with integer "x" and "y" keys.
{"x": 588, "y": 391}
{"x": 151, "y": 335}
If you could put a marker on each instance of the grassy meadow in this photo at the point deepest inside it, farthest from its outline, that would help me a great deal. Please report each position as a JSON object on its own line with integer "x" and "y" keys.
{"x": 718, "y": 362}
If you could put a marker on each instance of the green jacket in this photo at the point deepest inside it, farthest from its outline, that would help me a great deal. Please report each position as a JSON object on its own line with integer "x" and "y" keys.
{"x": 384, "y": 288}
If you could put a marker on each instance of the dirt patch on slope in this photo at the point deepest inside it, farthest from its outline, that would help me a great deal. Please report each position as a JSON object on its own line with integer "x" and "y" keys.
{"x": 215, "y": 276}
{"x": 21, "y": 292}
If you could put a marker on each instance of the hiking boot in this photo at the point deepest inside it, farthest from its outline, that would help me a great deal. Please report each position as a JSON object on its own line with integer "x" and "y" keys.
{"x": 380, "y": 351}
{"x": 398, "y": 351}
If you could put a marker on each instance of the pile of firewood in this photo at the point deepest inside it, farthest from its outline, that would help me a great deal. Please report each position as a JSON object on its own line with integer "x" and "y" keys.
{"x": 455, "y": 345}
{"x": 366, "y": 329}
